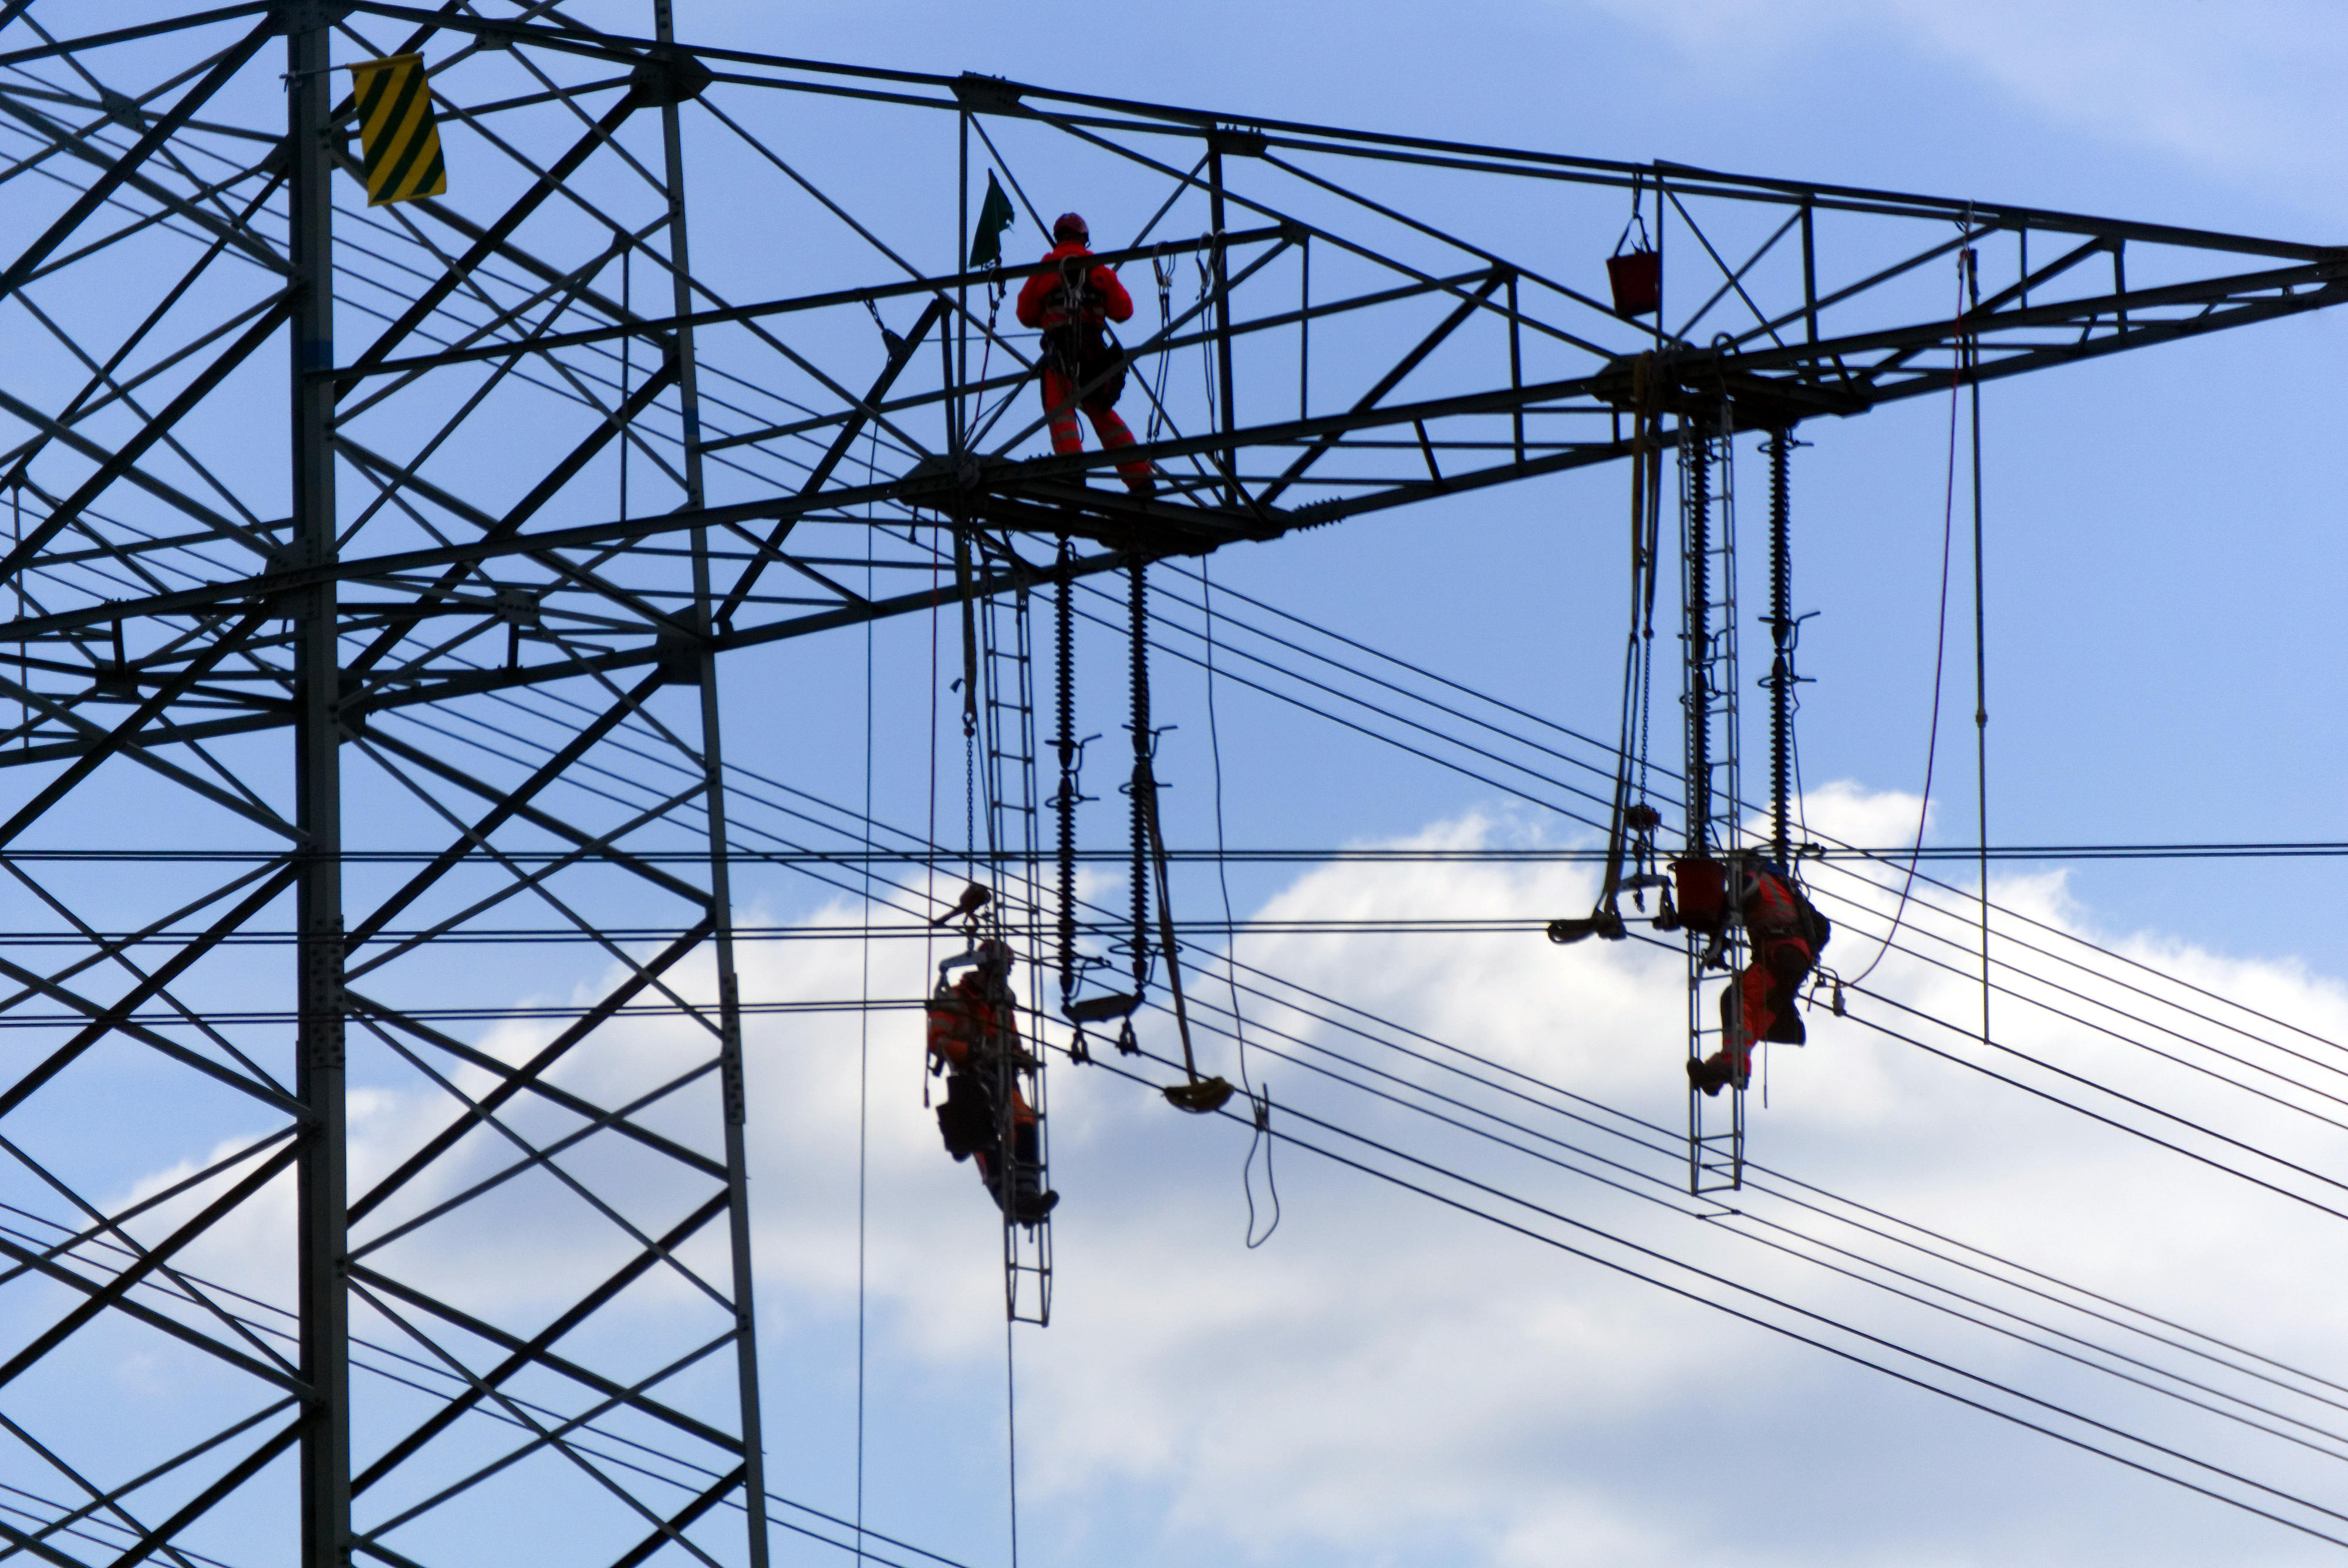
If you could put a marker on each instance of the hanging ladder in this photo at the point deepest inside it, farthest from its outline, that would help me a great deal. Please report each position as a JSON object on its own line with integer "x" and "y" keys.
{"x": 1014, "y": 807}
{"x": 1709, "y": 697}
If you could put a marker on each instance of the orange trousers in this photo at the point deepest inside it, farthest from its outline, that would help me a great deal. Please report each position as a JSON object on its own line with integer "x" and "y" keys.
{"x": 1059, "y": 404}
{"x": 1765, "y": 991}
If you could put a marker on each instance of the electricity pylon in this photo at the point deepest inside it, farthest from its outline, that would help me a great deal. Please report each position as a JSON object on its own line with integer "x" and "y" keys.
{"x": 370, "y": 570}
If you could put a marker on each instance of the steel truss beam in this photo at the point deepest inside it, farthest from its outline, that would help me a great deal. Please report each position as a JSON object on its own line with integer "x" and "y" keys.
{"x": 459, "y": 585}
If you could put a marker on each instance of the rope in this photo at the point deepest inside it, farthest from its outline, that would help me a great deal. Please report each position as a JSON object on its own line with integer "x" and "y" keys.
{"x": 1261, "y": 1106}
{"x": 994, "y": 289}
{"x": 1971, "y": 350}
{"x": 1011, "y": 1426}
{"x": 1163, "y": 268}
{"x": 1940, "y": 656}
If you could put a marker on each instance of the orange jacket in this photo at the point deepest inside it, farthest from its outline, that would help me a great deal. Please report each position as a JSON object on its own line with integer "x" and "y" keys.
{"x": 1770, "y": 909}
{"x": 972, "y": 1030}
{"x": 1041, "y": 301}
{"x": 965, "y": 1021}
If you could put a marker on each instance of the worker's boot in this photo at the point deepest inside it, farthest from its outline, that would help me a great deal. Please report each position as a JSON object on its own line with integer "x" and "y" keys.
{"x": 1028, "y": 1203}
{"x": 1710, "y": 1075}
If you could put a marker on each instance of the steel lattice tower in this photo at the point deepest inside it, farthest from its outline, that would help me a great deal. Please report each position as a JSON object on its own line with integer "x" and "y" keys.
{"x": 335, "y": 641}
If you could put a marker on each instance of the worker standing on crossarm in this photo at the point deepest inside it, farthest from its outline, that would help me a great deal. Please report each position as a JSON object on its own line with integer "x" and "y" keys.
{"x": 973, "y": 1030}
{"x": 1785, "y": 931}
{"x": 1071, "y": 300}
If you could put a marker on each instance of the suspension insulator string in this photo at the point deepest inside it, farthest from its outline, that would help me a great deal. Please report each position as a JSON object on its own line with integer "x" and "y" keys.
{"x": 1698, "y": 446}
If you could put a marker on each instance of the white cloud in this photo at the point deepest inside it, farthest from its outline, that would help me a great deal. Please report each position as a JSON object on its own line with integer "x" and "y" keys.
{"x": 1390, "y": 1380}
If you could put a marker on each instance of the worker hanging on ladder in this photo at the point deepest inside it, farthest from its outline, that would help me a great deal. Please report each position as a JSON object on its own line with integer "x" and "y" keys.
{"x": 1787, "y": 932}
{"x": 974, "y": 1041}
{"x": 1083, "y": 365}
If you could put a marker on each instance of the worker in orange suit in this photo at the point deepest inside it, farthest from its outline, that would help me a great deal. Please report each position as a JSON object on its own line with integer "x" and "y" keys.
{"x": 974, "y": 1040}
{"x": 1071, "y": 302}
{"x": 1785, "y": 931}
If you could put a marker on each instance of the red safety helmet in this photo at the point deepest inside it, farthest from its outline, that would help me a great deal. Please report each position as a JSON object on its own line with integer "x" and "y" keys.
{"x": 1071, "y": 226}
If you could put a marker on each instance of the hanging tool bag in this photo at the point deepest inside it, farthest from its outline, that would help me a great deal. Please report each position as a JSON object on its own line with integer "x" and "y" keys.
{"x": 1083, "y": 351}
{"x": 1703, "y": 887}
{"x": 1811, "y": 923}
{"x": 966, "y": 1118}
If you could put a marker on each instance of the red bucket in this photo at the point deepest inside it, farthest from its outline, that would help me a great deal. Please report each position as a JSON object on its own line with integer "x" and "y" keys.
{"x": 1637, "y": 277}
{"x": 1702, "y": 887}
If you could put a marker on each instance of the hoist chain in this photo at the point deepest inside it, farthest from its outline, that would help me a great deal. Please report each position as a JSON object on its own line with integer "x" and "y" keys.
{"x": 1064, "y": 665}
{"x": 1781, "y": 631}
{"x": 1144, "y": 784}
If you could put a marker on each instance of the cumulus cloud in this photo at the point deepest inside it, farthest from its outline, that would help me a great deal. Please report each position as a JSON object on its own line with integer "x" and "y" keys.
{"x": 1394, "y": 1378}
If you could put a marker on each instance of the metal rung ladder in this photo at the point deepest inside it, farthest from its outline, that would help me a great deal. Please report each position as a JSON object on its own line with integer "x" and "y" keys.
{"x": 1015, "y": 860}
{"x": 1709, "y": 698}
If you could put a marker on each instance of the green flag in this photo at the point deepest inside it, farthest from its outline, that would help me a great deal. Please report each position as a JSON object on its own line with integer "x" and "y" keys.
{"x": 995, "y": 215}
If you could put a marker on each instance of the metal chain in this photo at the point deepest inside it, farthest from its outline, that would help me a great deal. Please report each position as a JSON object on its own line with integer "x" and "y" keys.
{"x": 1143, "y": 782}
{"x": 1063, "y": 664}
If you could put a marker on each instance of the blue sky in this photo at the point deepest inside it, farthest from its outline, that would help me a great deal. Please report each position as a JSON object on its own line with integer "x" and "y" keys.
{"x": 2162, "y": 571}
{"x": 1388, "y": 1381}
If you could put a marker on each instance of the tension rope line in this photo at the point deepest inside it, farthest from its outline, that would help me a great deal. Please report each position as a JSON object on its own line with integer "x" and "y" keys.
{"x": 2084, "y": 969}
{"x": 2105, "y": 1029}
{"x": 2073, "y": 964}
{"x": 1386, "y": 739}
{"x": 1355, "y": 670}
{"x": 1657, "y": 1147}
{"x": 2002, "y": 1261}
{"x": 1671, "y": 1198}
{"x": 1914, "y": 1380}
{"x": 1892, "y": 937}
{"x": 1673, "y": 1192}
{"x": 2079, "y": 965}
{"x": 2110, "y": 1121}
{"x": 1914, "y": 876}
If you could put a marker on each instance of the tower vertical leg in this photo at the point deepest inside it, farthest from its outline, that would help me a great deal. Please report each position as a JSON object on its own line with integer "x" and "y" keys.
{"x": 721, "y": 900}
{"x": 321, "y": 1175}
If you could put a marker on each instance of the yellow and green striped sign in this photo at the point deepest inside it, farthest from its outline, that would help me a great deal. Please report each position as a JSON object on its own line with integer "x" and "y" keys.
{"x": 395, "y": 130}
